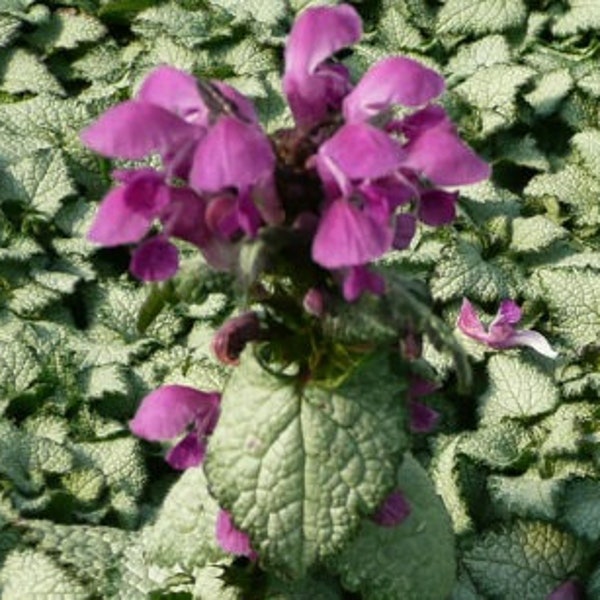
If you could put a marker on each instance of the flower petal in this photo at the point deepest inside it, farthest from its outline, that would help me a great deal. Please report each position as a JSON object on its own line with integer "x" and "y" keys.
{"x": 169, "y": 410}
{"x": 569, "y": 590}
{"x": 394, "y": 510}
{"x": 359, "y": 280}
{"x": 347, "y": 237}
{"x": 244, "y": 106}
{"x": 175, "y": 91}
{"x": 116, "y": 222}
{"x": 534, "y": 340}
{"x": 404, "y": 231}
{"x": 470, "y": 324}
{"x": 359, "y": 151}
{"x": 185, "y": 217}
{"x": 437, "y": 207}
{"x": 395, "y": 80}
{"x": 423, "y": 418}
{"x": 155, "y": 260}
{"x": 232, "y": 539}
{"x": 443, "y": 158}
{"x": 189, "y": 452}
{"x": 134, "y": 129}
{"x": 311, "y": 87}
{"x": 232, "y": 154}
{"x": 509, "y": 312}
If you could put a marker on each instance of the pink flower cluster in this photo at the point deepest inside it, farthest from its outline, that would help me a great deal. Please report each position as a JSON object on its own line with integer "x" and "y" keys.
{"x": 222, "y": 179}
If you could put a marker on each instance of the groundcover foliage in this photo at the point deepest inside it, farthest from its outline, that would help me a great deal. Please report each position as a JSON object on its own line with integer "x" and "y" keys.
{"x": 504, "y": 493}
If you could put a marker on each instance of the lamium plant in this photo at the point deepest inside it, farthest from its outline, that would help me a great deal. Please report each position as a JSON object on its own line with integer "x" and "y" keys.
{"x": 307, "y": 458}
{"x": 299, "y": 305}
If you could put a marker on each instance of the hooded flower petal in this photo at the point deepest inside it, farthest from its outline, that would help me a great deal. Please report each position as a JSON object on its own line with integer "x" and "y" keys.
{"x": 232, "y": 154}
{"x": 232, "y": 539}
{"x": 348, "y": 237}
{"x": 394, "y": 510}
{"x": 396, "y": 80}
{"x": 155, "y": 260}
{"x": 444, "y": 159}
{"x": 175, "y": 91}
{"x": 169, "y": 410}
{"x": 135, "y": 129}
{"x": 311, "y": 87}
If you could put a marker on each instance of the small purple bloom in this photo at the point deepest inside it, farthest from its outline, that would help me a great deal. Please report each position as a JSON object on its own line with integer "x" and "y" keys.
{"x": 569, "y": 590}
{"x": 156, "y": 259}
{"x": 501, "y": 332}
{"x": 313, "y": 85}
{"x": 394, "y": 510}
{"x": 232, "y": 539}
{"x": 423, "y": 418}
{"x": 175, "y": 410}
{"x": 232, "y": 337}
{"x": 127, "y": 212}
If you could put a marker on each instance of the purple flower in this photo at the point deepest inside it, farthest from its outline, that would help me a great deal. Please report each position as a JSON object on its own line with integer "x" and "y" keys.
{"x": 167, "y": 116}
{"x": 173, "y": 411}
{"x": 423, "y": 419}
{"x": 313, "y": 85}
{"x": 232, "y": 337}
{"x": 358, "y": 280}
{"x": 394, "y": 510}
{"x": 232, "y": 539}
{"x": 569, "y": 590}
{"x": 501, "y": 332}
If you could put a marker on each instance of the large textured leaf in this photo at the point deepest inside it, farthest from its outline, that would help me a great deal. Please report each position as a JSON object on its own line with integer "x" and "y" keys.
{"x": 415, "y": 559}
{"x": 298, "y": 465}
{"x": 524, "y": 560}
{"x": 573, "y": 296}
{"x": 184, "y": 532}
{"x": 463, "y": 272}
{"x": 477, "y": 16}
{"x": 31, "y": 574}
{"x": 517, "y": 390}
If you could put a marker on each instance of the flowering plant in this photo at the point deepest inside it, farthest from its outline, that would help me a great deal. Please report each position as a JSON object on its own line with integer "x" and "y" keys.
{"x": 276, "y": 401}
{"x": 305, "y": 446}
